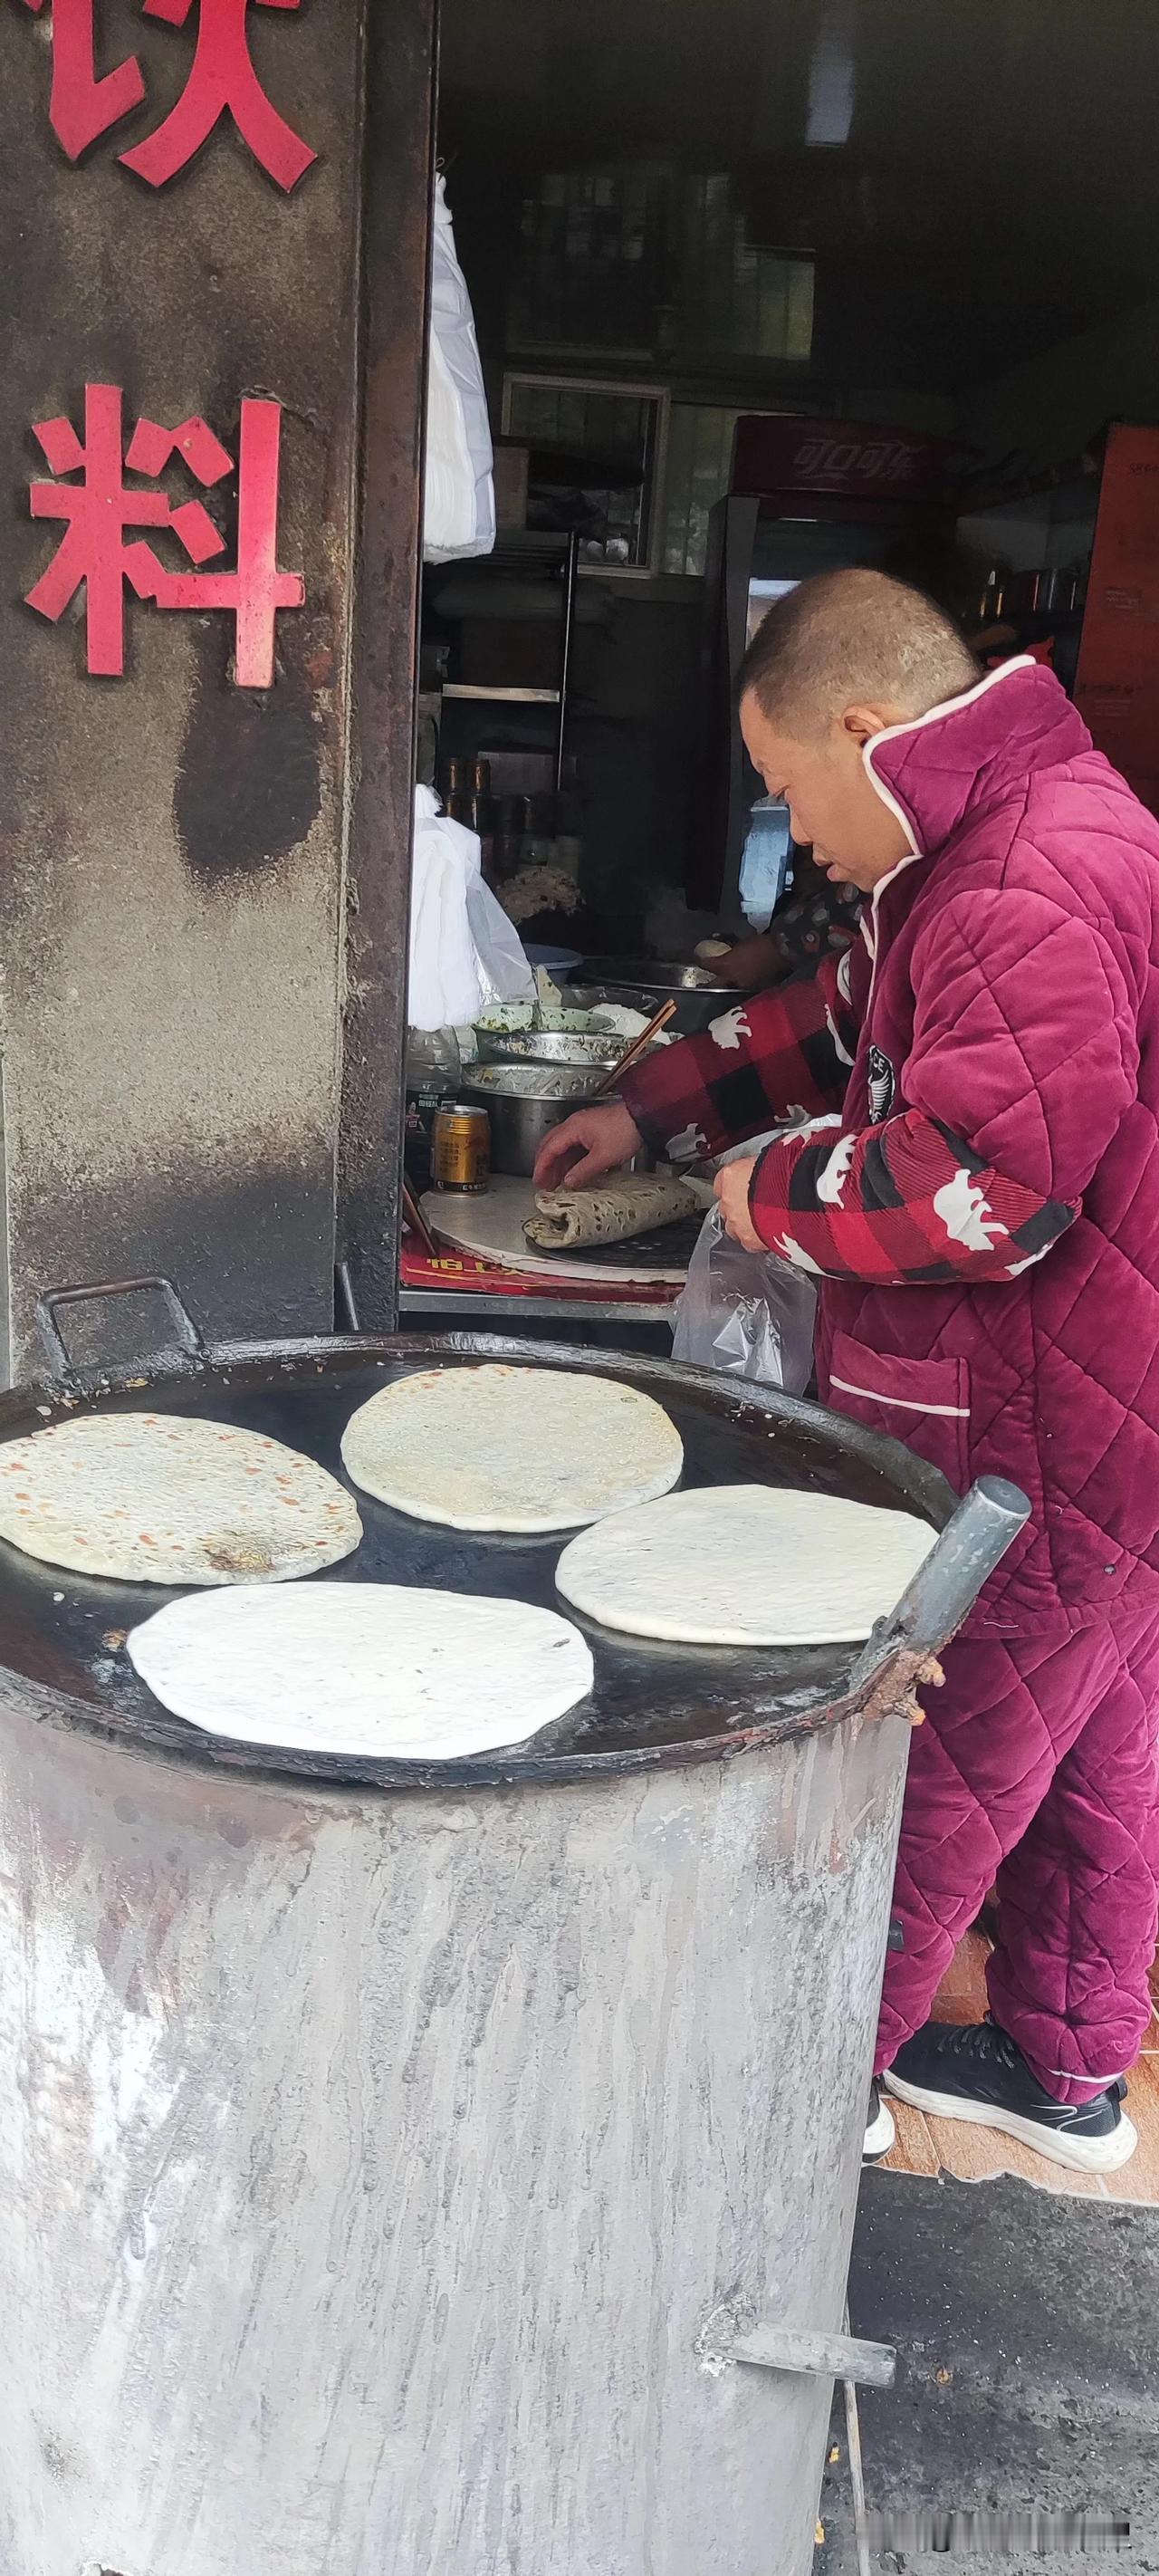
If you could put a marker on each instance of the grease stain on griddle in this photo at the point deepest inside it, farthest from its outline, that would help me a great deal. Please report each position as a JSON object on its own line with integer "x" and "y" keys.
{"x": 249, "y": 783}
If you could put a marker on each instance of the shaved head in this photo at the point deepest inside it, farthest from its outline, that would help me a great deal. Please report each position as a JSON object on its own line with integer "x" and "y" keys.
{"x": 840, "y": 660}
{"x": 853, "y": 638}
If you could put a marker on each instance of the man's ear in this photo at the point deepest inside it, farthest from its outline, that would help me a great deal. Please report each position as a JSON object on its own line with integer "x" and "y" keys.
{"x": 861, "y": 723}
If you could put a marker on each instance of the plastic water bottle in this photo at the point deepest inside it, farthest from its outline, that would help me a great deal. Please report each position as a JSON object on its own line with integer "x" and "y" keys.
{"x": 433, "y": 1065}
{"x": 765, "y": 861}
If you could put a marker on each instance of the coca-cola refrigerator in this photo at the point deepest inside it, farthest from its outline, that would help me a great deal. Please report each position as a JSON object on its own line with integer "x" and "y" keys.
{"x": 807, "y": 496}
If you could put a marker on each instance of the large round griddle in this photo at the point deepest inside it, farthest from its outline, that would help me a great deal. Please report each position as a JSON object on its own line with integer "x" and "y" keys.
{"x": 651, "y": 1703}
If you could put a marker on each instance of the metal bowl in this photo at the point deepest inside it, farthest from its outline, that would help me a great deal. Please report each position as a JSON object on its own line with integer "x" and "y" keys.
{"x": 595, "y": 997}
{"x": 524, "y": 1102}
{"x": 586, "y": 1048}
{"x": 651, "y": 975}
{"x": 646, "y": 982}
{"x": 505, "y": 1018}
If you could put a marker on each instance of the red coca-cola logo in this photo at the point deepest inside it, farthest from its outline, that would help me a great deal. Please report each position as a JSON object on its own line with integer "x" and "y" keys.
{"x": 837, "y": 459}
{"x": 777, "y": 454}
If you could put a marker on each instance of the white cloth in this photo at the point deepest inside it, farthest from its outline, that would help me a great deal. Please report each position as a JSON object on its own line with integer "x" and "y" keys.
{"x": 459, "y": 505}
{"x": 464, "y": 953}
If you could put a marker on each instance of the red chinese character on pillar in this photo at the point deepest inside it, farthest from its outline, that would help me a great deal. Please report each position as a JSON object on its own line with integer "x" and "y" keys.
{"x": 102, "y": 507}
{"x": 256, "y": 591}
{"x": 81, "y": 106}
{"x": 99, "y": 510}
{"x": 222, "y": 81}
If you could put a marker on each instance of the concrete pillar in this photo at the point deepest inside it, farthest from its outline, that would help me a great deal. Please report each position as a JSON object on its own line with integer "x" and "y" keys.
{"x": 173, "y": 846}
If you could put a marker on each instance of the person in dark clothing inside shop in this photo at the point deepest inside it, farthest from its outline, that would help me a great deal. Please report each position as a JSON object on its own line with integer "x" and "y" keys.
{"x": 820, "y": 919}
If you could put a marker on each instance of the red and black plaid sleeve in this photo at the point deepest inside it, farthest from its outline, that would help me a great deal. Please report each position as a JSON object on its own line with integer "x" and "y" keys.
{"x": 777, "y": 1056}
{"x": 906, "y": 1203}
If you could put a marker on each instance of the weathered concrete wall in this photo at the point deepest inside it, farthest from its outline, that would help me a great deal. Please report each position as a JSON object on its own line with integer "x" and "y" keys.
{"x": 384, "y": 2174}
{"x": 172, "y": 847}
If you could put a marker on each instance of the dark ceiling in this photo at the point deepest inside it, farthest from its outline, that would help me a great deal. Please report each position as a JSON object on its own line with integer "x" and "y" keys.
{"x": 996, "y": 190}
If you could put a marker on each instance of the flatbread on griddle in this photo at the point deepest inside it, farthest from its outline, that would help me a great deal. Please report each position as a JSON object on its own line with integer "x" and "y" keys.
{"x": 368, "y": 1669}
{"x": 745, "y": 1565}
{"x": 501, "y": 1448}
{"x": 172, "y": 1499}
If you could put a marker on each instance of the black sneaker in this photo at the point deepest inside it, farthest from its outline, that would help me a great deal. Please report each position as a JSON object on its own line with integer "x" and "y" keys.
{"x": 977, "y": 2073}
{"x": 880, "y": 2132}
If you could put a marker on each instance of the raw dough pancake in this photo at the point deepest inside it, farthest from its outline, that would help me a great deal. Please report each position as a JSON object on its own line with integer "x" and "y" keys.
{"x": 498, "y": 1448}
{"x": 744, "y": 1565}
{"x": 371, "y": 1669}
{"x": 166, "y": 1498}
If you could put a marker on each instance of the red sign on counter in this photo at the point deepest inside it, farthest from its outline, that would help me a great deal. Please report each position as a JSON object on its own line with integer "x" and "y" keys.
{"x": 222, "y": 81}
{"x": 101, "y": 508}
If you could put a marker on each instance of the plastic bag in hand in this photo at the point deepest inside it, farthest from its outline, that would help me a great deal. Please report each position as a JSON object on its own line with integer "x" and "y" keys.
{"x": 749, "y": 1314}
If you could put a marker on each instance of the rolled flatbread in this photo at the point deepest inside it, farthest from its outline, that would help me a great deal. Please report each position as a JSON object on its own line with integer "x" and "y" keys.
{"x": 368, "y": 1669}
{"x": 502, "y": 1448}
{"x": 611, "y": 1212}
{"x": 745, "y": 1565}
{"x": 166, "y": 1498}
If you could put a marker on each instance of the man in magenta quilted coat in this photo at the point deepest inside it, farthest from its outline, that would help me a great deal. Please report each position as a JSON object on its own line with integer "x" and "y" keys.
{"x": 976, "y": 1187}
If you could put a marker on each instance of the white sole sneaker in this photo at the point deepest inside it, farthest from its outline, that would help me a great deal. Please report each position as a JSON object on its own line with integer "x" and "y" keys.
{"x": 1078, "y": 2154}
{"x": 880, "y": 2135}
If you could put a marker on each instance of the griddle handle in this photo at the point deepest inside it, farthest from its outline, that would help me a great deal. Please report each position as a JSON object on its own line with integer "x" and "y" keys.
{"x": 945, "y": 1588}
{"x": 48, "y": 1307}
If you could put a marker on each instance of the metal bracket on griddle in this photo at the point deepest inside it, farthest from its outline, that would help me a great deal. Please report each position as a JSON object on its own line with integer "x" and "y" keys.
{"x": 818, "y": 2356}
{"x": 190, "y": 1345}
{"x": 803, "y": 2354}
{"x": 945, "y": 1588}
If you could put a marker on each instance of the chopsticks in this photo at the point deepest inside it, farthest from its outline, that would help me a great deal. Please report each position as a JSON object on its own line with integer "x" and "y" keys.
{"x": 631, "y": 1054}
{"x": 417, "y": 1222}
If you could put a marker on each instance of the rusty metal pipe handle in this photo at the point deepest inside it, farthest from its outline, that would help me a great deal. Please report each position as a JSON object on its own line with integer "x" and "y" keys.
{"x": 48, "y": 1308}
{"x": 945, "y": 1588}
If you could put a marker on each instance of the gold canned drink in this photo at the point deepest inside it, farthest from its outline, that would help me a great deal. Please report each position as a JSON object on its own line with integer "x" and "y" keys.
{"x": 461, "y": 1158}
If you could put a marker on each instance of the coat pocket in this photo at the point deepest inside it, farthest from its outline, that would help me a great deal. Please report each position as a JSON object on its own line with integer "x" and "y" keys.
{"x": 923, "y": 1403}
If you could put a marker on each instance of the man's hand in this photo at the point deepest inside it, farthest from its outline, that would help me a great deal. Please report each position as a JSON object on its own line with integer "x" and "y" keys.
{"x": 732, "y": 1190}
{"x": 586, "y": 1146}
{"x": 753, "y": 963}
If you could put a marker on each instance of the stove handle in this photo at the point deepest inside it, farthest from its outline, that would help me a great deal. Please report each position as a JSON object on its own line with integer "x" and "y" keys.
{"x": 48, "y": 1308}
{"x": 945, "y": 1588}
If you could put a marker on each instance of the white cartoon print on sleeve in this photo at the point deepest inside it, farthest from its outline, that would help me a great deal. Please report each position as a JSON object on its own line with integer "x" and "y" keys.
{"x": 690, "y": 1146}
{"x": 790, "y": 1251}
{"x": 731, "y": 1028}
{"x": 966, "y": 1214}
{"x": 832, "y": 1178}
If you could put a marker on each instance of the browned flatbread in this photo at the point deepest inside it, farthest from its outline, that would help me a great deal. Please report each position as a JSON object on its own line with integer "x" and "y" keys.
{"x": 611, "y": 1212}
{"x": 164, "y": 1498}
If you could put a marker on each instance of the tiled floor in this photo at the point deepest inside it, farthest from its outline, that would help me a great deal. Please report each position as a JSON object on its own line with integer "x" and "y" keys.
{"x": 976, "y": 2155}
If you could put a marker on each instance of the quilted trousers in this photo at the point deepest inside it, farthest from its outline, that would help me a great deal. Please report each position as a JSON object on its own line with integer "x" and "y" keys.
{"x": 1037, "y": 1772}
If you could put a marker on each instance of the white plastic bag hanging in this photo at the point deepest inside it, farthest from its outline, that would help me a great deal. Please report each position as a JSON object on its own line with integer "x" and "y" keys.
{"x": 459, "y": 492}
{"x": 505, "y": 972}
{"x": 464, "y": 953}
{"x": 748, "y": 1314}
